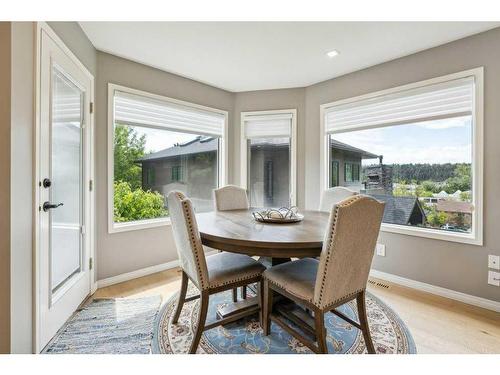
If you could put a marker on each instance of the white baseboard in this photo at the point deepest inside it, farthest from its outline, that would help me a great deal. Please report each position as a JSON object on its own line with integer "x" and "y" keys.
{"x": 437, "y": 290}
{"x": 136, "y": 274}
{"x": 141, "y": 272}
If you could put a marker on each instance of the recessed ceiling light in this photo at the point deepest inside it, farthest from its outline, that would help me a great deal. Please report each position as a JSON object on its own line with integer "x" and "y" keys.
{"x": 332, "y": 53}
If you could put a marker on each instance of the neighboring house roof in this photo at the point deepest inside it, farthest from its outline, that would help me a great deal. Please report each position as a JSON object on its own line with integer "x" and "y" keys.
{"x": 207, "y": 144}
{"x": 399, "y": 210}
{"x": 455, "y": 206}
{"x": 345, "y": 147}
{"x": 272, "y": 142}
{"x": 197, "y": 145}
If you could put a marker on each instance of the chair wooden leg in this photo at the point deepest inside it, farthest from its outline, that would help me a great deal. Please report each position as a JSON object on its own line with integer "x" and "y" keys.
{"x": 182, "y": 297}
{"x": 268, "y": 306}
{"x": 235, "y": 295}
{"x": 363, "y": 321}
{"x": 202, "y": 316}
{"x": 319, "y": 320}
{"x": 244, "y": 292}
{"x": 260, "y": 296}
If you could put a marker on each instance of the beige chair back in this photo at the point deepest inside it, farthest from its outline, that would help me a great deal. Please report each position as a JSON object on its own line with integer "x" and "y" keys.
{"x": 187, "y": 239}
{"x": 230, "y": 197}
{"x": 334, "y": 195}
{"x": 348, "y": 249}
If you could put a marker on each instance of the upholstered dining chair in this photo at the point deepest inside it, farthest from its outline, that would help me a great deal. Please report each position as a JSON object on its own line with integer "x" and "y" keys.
{"x": 339, "y": 276}
{"x": 333, "y": 196}
{"x": 212, "y": 274}
{"x": 232, "y": 197}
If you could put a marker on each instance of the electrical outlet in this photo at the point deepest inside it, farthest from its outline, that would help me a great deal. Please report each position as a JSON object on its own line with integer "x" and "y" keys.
{"x": 380, "y": 250}
{"x": 494, "y": 278}
{"x": 494, "y": 262}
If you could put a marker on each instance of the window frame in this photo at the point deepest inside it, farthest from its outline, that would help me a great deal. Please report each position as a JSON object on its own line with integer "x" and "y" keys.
{"x": 164, "y": 221}
{"x": 293, "y": 149}
{"x": 352, "y": 165}
{"x": 176, "y": 171}
{"x": 476, "y": 235}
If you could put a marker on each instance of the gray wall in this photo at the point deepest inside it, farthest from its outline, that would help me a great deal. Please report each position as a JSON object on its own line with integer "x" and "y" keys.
{"x": 22, "y": 186}
{"x": 118, "y": 253}
{"x": 76, "y": 40}
{"x": 5, "y": 159}
{"x": 450, "y": 265}
{"x": 446, "y": 264}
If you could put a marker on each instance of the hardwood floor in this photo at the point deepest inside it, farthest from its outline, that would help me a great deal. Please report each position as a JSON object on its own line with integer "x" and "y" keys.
{"x": 438, "y": 325}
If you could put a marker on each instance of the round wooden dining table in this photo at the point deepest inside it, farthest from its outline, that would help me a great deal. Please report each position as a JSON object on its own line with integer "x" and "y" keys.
{"x": 238, "y": 232}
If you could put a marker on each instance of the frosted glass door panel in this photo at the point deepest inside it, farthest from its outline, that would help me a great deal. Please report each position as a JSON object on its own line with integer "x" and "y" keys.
{"x": 66, "y": 179}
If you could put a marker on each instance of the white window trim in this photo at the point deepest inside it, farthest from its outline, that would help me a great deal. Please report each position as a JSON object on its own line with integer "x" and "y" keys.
{"x": 293, "y": 149}
{"x": 157, "y": 222}
{"x": 476, "y": 235}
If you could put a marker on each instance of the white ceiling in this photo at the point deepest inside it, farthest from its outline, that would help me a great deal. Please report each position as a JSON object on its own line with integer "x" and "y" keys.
{"x": 244, "y": 56}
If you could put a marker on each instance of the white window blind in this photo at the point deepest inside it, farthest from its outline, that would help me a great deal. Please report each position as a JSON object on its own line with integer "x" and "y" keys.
{"x": 442, "y": 100}
{"x": 268, "y": 126}
{"x": 134, "y": 109}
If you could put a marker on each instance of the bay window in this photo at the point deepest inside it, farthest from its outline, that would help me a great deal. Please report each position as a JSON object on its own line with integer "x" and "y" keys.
{"x": 157, "y": 145}
{"x": 418, "y": 148}
{"x": 268, "y": 157}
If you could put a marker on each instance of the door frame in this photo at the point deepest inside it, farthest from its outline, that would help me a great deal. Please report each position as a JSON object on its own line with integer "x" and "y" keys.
{"x": 39, "y": 29}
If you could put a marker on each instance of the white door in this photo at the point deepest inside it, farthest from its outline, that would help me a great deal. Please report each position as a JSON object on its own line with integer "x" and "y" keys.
{"x": 64, "y": 165}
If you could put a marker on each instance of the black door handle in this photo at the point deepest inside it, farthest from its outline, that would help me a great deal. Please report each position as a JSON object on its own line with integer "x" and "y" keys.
{"x": 47, "y": 206}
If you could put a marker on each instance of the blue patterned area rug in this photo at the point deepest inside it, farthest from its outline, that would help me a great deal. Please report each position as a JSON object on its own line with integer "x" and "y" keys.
{"x": 109, "y": 326}
{"x": 390, "y": 335}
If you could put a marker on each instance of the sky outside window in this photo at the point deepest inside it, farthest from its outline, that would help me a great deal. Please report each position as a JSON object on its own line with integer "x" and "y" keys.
{"x": 433, "y": 142}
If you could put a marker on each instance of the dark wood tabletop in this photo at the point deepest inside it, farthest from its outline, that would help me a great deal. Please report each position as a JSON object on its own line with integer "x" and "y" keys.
{"x": 237, "y": 231}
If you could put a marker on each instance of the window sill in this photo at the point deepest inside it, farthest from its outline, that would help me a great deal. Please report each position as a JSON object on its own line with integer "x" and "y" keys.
{"x": 138, "y": 225}
{"x": 465, "y": 238}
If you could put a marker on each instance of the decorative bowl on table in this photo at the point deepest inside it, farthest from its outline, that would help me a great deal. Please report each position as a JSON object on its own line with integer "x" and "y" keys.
{"x": 280, "y": 215}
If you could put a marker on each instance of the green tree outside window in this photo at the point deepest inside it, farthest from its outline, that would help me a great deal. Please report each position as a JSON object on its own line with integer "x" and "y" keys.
{"x": 128, "y": 148}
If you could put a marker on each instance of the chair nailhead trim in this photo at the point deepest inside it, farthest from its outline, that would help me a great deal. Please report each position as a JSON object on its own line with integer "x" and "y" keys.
{"x": 332, "y": 304}
{"x": 288, "y": 290}
{"x": 192, "y": 238}
{"x": 235, "y": 280}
